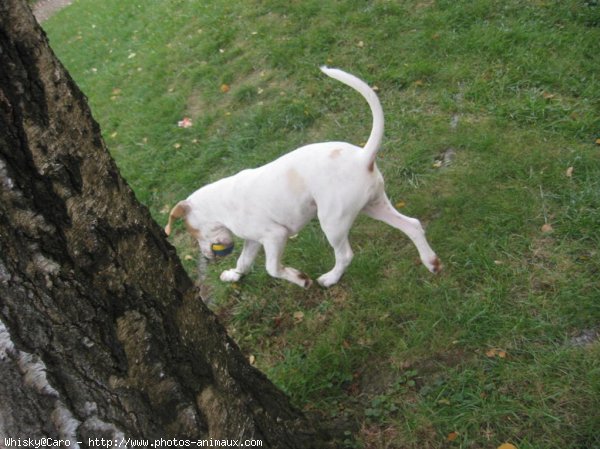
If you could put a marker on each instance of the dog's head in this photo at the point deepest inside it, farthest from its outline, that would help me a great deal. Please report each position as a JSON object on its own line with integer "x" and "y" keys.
{"x": 209, "y": 235}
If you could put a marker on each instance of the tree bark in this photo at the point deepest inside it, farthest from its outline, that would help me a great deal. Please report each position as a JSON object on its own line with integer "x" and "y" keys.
{"x": 102, "y": 333}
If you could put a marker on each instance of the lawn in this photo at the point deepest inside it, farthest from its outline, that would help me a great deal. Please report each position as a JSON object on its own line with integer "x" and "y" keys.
{"x": 492, "y": 140}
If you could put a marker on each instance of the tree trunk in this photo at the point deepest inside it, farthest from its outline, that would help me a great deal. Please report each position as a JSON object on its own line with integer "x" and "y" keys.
{"x": 102, "y": 333}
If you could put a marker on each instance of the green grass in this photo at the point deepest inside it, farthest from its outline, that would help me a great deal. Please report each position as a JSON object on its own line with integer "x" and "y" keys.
{"x": 398, "y": 354}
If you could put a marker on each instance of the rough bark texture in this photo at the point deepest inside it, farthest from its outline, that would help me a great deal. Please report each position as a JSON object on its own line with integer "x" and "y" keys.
{"x": 102, "y": 334}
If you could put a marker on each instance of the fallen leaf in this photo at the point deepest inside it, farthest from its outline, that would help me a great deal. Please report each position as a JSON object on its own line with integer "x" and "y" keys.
{"x": 569, "y": 172}
{"x": 360, "y": 44}
{"x": 188, "y": 257}
{"x": 251, "y": 359}
{"x": 547, "y": 95}
{"x": 225, "y": 88}
{"x": 185, "y": 123}
{"x": 131, "y": 55}
{"x": 400, "y": 204}
{"x": 598, "y": 141}
{"x": 177, "y": 146}
{"x": 298, "y": 316}
{"x": 452, "y": 436}
{"x": 419, "y": 83}
{"x": 496, "y": 353}
{"x": 437, "y": 164}
{"x": 547, "y": 228}
{"x": 507, "y": 446}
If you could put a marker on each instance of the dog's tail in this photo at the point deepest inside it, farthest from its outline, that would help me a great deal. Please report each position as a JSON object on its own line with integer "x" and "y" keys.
{"x": 374, "y": 142}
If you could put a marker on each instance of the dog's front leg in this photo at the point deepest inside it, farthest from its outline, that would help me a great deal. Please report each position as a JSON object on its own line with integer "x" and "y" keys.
{"x": 244, "y": 262}
{"x": 274, "y": 245}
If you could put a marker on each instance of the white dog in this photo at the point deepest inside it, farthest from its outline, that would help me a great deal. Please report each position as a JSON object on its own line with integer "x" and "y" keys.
{"x": 334, "y": 181}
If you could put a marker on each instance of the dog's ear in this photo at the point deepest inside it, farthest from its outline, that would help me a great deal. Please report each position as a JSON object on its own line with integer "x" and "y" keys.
{"x": 181, "y": 209}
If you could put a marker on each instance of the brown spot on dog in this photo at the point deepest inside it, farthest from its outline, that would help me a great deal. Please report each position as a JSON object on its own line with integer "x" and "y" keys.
{"x": 372, "y": 166}
{"x": 437, "y": 265}
{"x": 181, "y": 209}
{"x": 335, "y": 153}
{"x": 295, "y": 181}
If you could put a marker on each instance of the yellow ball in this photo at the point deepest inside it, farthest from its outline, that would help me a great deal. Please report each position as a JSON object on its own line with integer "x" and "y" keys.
{"x": 219, "y": 249}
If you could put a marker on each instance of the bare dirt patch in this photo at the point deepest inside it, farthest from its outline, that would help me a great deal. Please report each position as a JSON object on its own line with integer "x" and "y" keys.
{"x": 43, "y": 9}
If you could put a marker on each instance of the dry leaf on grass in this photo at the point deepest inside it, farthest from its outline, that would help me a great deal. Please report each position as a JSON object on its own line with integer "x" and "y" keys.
{"x": 452, "y": 436}
{"x": 547, "y": 228}
{"x": 507, "y": 446}
{"x": 496, "y": 353}
{"x": 298, "y": 316}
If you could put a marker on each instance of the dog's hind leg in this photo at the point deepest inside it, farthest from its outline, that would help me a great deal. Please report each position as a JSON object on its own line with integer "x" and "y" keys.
{"x": 244, "y": 262}
{"x": 336, "y": 232}
{"x": 381, "y": 209}
{"x": 274, "y": 245}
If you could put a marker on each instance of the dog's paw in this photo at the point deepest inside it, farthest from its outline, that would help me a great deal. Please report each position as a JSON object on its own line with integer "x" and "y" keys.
{"x": 305, "y": 281}
{"x": 328, "y": 279}
{"x": 230, "y": 276}
{"x": 435, "y": 265}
